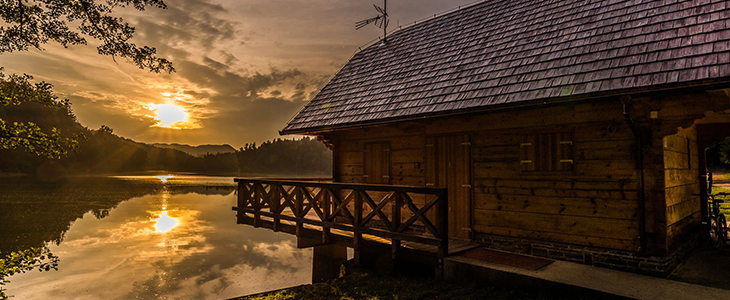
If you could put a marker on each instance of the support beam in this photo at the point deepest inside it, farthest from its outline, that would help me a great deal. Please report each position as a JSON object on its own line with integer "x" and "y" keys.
{"x": 303, "y": 242}
{"x": 326, "y": 262}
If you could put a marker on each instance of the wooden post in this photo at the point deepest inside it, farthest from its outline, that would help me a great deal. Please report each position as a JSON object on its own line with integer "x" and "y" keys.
{"x": 253, "y": 198}
{"x": 395, "y": 216}
{"x": 326, "y": 211}
{"x": 275, "y": 203}
{"x": 257, "y": 206}
{"x": 443, "y": 226}
{"x": 240, "y": 214}
{"x": 299, "y": 205}
{"x": 326, "y": 262}
{"x": 357, "y": 236}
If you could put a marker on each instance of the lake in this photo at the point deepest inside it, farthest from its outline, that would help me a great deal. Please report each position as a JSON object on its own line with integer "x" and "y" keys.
{"x": 143, "y": 237}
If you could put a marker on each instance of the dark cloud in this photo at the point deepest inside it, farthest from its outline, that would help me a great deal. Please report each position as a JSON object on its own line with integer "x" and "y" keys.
{"x": 214, "y": 64}
{"x": 244, "y": 67}
{"x": 185, "y": 23}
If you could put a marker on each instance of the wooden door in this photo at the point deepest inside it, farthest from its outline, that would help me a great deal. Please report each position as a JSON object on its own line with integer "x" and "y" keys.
{"x": 449, "y": 165}
{"x": 377, "y": 163}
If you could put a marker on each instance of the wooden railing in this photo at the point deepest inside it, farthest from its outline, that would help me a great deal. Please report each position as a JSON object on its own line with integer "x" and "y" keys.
{"x": 354, "y": 208}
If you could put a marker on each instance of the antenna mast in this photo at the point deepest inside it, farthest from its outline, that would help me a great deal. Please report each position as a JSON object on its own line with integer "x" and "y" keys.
{"x": 381, "y": 20}
{"x": 385, "y": 15}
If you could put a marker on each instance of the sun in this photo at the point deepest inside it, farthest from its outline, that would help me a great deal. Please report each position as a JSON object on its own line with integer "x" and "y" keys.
{"x": 168, "y": 115}
{"x": 165, "y": 223}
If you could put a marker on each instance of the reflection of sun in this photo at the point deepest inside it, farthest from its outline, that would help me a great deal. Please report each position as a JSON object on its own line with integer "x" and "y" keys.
{"x": 165, "y": 223}
{"x": 168, "y": 115}
{"x": 164, "y": 178}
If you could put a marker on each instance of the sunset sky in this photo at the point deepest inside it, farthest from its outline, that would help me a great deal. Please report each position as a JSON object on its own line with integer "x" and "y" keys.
{"x": 244, "y": 67}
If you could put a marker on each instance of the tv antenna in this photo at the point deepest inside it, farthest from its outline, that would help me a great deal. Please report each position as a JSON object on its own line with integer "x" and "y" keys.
{"x": 381, "y": 20}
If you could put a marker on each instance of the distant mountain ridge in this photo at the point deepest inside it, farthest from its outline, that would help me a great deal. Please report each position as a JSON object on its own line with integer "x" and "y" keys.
{"x": 198, "y": 150}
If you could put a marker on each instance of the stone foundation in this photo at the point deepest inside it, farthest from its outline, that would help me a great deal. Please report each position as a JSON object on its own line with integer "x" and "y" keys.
{"x": 598, "y": 257}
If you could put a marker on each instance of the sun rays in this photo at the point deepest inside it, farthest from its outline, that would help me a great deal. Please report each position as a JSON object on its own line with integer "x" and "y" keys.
{"x": 170, "y": 116}
{"x": 176, "y": 110}
{"x": 165, "y": 223}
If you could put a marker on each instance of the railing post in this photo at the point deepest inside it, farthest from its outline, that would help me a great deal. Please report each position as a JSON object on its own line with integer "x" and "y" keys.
{"x": 274, "y": 203}
{"x": 396, "y": 218}
{"x": 357, "y": 235}
{"x": 299, "y": 204}
{"x": 326, "y": 211}
{"x": 257, "y": 207}
{"x": 253, "y": 198}
{"x": 443, "y": 225}
{"x": 241, "y": 214}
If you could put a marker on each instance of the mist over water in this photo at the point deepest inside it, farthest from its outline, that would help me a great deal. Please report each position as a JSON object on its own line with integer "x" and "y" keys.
{"x": 144, "y": 237}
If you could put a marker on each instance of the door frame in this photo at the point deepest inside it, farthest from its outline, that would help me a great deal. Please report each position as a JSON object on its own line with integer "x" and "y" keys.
{"x": 432, "y": 177}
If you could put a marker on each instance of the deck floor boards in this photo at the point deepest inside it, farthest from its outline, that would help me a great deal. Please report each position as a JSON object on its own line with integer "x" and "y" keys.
{"x": 456, "y": 245}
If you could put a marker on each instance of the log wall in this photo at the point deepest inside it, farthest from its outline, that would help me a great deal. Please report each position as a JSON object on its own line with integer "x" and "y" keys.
{"x": 594, "y": 202}
{"x": 681, "y": 183}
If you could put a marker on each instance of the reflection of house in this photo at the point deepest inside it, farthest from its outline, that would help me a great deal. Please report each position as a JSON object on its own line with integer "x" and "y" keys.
{"x": 563, "y": 129}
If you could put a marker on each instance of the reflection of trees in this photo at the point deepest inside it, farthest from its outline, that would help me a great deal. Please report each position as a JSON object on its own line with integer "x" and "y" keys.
{"x": 36, "y": 213}
{"x": 202, "y": 190}
{"x": 100, "y": 213}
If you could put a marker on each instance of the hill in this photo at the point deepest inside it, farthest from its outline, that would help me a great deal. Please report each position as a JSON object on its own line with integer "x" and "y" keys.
{"x": 198, "y": 150}
{"x": 101, "y": 151}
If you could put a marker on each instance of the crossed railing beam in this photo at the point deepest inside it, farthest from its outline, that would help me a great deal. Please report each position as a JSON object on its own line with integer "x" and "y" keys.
{"x": 345, "y": 207}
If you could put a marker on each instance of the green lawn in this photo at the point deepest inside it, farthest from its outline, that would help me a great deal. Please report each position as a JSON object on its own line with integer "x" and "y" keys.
{"x": 725, "y": 207}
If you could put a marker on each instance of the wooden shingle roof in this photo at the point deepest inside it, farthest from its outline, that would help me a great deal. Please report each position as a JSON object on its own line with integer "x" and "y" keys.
{"x": 497, "y": 53}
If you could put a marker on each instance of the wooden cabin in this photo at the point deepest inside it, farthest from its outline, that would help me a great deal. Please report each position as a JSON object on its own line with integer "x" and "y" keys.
{"x": 572, "y": 130}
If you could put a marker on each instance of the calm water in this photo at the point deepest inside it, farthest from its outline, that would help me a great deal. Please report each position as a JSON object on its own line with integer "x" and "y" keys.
{"x": 139, "y": 237}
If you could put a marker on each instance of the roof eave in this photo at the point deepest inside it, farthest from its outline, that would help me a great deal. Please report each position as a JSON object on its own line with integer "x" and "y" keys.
{"x": 707, "y": 84}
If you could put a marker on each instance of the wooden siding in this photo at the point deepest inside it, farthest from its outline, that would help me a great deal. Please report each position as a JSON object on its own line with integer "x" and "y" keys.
{"x": 593, "y": 203}
{"x": 406, "y": 161}
{"x": 406, "y": 158}
{"x": 681, "y": 183}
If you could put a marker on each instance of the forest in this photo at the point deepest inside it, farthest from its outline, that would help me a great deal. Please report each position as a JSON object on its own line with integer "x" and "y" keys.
{"x": 101, "y": 151}
{"x": 286, "y": 157}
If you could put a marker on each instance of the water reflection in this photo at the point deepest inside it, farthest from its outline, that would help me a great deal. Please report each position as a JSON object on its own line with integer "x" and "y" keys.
{"x": 165, "y": 223}
{"x": 164, "y": 178}
{"x": 175, "y": 242}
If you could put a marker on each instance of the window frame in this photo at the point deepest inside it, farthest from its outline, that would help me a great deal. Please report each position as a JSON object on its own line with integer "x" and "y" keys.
{"x": 547, "y": 152}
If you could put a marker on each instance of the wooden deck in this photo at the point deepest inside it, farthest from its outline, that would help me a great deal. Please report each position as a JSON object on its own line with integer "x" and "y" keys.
{"x": 312, "y": 235}
{"x": 353, "y": 215}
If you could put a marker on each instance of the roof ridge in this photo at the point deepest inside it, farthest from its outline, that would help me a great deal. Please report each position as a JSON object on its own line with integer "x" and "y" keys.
{"x": 495, "y": 53}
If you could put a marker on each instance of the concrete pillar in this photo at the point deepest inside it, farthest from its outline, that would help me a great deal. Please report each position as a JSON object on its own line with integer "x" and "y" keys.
{"x": 326, "y": 262}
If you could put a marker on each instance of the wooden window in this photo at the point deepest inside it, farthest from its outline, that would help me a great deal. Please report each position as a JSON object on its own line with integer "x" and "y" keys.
{"x": 547, "y": 152}
{"x": 377, "y": 163}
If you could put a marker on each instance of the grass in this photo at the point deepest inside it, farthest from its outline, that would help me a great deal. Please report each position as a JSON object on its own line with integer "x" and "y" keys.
{"x": 724, "y": 207}
{"x": 375, "y": 287}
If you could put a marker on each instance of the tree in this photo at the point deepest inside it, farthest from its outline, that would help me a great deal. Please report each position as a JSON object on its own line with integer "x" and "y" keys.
{"x": 32, "y": 23}
{"x": 15, "y": 90}
{"x": 24, "y": 261}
